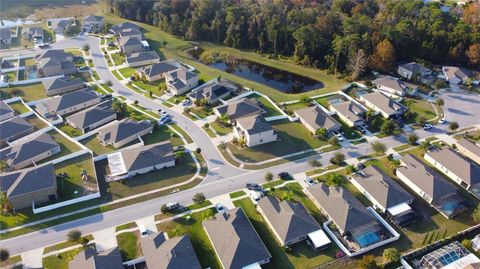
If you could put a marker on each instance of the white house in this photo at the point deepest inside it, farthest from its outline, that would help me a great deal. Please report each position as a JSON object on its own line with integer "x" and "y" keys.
{"x": 254, "y": 130}
{"x": 181, "y": 80}
{"x": 456, "y": 75}
{"x": 392, "y": 86}
{"x": 383, "y": 104}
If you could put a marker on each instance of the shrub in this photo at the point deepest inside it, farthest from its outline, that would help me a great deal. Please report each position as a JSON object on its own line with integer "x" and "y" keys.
{"x": 412, "y": 139}
{"x": 4, "y": 255}
{"x": 391, "y": 255}
{"x": 199, "y": 198}
{"x": 379, "y": 147}
{"x": 269, "y": 176}
{"x": 74, "y": 235}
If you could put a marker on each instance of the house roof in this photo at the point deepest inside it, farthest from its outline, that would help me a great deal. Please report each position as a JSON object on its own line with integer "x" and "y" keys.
{"x": 212, "y": 91}
{"x": 130, "y": 41}
{"x": 174, "y": 253}
{"x": 159, "y": 68}
{"x": 14, "y": 126}
{"x": 121, "y": 130}
{"x": 69, "y": 100}
{"x": 384, "y": 103}
{"x": 381, "y": 187}
{"x": 125, "y": 25}
{"x": 92, "y": 115}
{"x": 461, "y": 167}
{"x": 27, "y": 148}
{"x": 393, "y": 83}
{"x": 5, "y": 108}
{"x": 133, "y": 31}
{"x": 290, "y": 220}
{"x": 91, "y": 259}
{"x": 34, "y": 31}
{"x": 57, "y": 54}
{"x": 469, "y": 145}
{"x": 317, "y": 118}
{"x": 61, "y": 82}
{"x": 93, "y": 18}
{"x": 28, "y": 180}
{"x": 456, "y": 72}
{"x": 425, "y": 178}
{"x": 344, "y": 209}
{"x": 414, "y": 67}
{"x": 138, "y": 158}
{"x": 179, "y": 77}
{"x": 5, "y": 33}
{"x": 235, "y": 240}
{"x": 254, "y": 124}
{"x": 241, "y": 108}
{"x": 349, "y": 110}
{"x": 142, "y": 56}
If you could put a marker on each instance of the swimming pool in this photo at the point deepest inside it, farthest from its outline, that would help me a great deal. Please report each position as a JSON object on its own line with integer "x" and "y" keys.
{"x": 367, "y": 239}
{"x": 449, "y": 258}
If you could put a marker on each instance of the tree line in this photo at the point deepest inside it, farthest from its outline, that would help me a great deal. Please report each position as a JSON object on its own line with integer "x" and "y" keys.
{"x": 343, "y": 36}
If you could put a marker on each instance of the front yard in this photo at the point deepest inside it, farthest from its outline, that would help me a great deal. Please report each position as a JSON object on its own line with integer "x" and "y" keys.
{"x": 156, "y": 87}
{"x": 60, "y": 261}
{"x": 118, "y": 58}
{"x": 127, "y": 72}
{"x": 160, "y": 134}
{"x": 129, "y": 245}
{"x": 28, "y": 92}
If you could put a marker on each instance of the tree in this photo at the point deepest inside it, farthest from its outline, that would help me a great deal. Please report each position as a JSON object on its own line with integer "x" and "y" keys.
{"x": 305, "y": 100}
{"x": 164, "y": 209}
{"x": 350, "y": 169}
{"x": 357, "y": 63}
{"x": 384, "y": 56}
{"x": 334, "y": 179}
{"x": 453, "y": 126}
{"x": 379, "y": 147}
{"x": 425, "y": 145}
{"x": 198, "y": 198}
{"x": 224, "y": 119}
{"x": 391, "y": 255}
{"x": 313, "y": 162}
{"x": 179, "y": 156}
{"x": 4, "y": 254}
{"x": 198, "y": 150}
{"x": 439, "y": 102}
{"x": 421, "y": 120}
{"x": 322, "y": 133}
{"x": 388, "y": 127}
{"x": 334, "y": 141}
{"x": 467, "y": 243}
{"x": 412, "y": 139}
{"x": 473, "y": 54}
{"x": 86, "y": 47}
{"x": 370, "y": 113}
{"x": 74, "y": 235}
{"x": 337, "y": 158}
{"x": 3, "y": 166}
{"x": 268, "y": 176}
{"x": 5, "y": 204}
{"x": 476, "y": 213}
{"x": 119, "y": 107}
{"x": 368, "y": 262}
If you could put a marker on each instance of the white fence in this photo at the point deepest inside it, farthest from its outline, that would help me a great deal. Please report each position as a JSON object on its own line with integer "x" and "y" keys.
{"x": 135, "y": 261}
{"x": 65, "y": 203}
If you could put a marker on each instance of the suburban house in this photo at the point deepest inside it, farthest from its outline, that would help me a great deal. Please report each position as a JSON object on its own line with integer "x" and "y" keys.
{"x": 385, "y": 194}
{"x": 93, "y": 22}
{"x": 469, "y": 149}
{"x": 289, "y": 221}
{"x": 34, "y": 34}
{"x": 141, "y": 160}
{"x": 392, "y": 86}
{"x": 254, "y": 131}
{"x": 29, "y": 150}
{"x": 350, "y": 112}
{"x": 158, "y": 71}
{"x": 68, "y": 103}
{"x": 130, "y": 44}
{"x": 6, "y": 112}
{"x": 414, "y": 71}
{"x": 181, "y": 81}
{"x": 239, "y": 109}
{"x": 459, "y": 169}
{"x": 120, "y": 133}
{"x": 59, "y": 25}
{"x": 90, "y": 258}
{"x": 451, "y": 256}
{"x": 354, "y": 222}
{"x": 456, "y": 75}
{"x": 54, "y": 63}
{"x": 142, "y": 58}
{"x": 169, "y": 253}
{"x": 32, "y": 185}
{"x": 429, "y": 185}
{"x": 92, "y": 118}
{"x": 127, "y": 29}
{"x": 212, "y": 92}
{"x": 61, "y": 85}
{"x": 235, "y": 241}
{"x": 379, "y": 102}
{"x": 5, "y": 38}
{"x": 13, "y": 129}
{"x": 314, "y": 118}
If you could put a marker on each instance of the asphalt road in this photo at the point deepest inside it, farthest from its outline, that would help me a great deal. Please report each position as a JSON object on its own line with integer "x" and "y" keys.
{"x": 222, "y": 177}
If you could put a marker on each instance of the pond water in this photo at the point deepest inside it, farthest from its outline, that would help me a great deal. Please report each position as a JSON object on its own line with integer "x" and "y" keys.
{"x": 14, "y": 23}
{"x": 280, "y": 80}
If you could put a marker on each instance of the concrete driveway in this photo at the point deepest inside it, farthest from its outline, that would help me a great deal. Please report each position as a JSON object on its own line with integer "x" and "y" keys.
{"x": 148, "y": 222}
{"x": 32, "y": 259}
{"x": 105, "y": 239}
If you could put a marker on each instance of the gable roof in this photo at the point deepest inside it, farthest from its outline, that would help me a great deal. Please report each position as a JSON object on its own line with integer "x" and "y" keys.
{"x": 425, "y": 178}
{"x": 91, "y": 259}
{"x": 61, "y": 82}
{"x": 120, "y": 130}
{"x": 212, "y": 91}
{"x": 56, "y": 54}
{"x": 5, "y": 108}
{"x": 146, "y": 156}
{"x": 14, "y": 126}
{"x": 290, "y": 220}
{"x": 393, "y": 83}
{"x": 179, "y": 77}
{"x": 159, "y": 68}
{"x": 69, "y": 100}
{"x": 254, "y": 124}
{"x": 349, "y": 110}
{"x": 317, "y": 118}
{"x": 5, "y": 33}
{"x": 456, "y": 72}
{"x": 130, "y": 41}
{"x": 125, "y": 25}
{"x": 235, "y": 240}
{"x": 240, "y": 108}
{"x": 28, "y": 180}
{"x": 92, "y": 115}
{"x": 461, "y": 167}
{"x": 384, "y": 103}
{"x": 93, "y": 18}
{"x": 340, "y": 205}
{"x": 470, "y": 146}
{"x": 414, "y": 67}
{"x": 27, "y": 148}
{"x": 142, "y": 56}
{"x": 174, "y": 253}
{"x": 383, "y": 188}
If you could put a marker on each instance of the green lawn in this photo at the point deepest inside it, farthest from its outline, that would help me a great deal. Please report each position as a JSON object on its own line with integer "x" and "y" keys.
{"x": 126, "y": 226}
{"x": 107, "y": 88}
{"x": 35, "y": 121}
{"x": 325, "y": 99}
{"x": 201, "y": 112}
{"x": 95, "y": 75}
{"x": 85, "y": 76}
{"x": 69, "y": 130}
{"x": 156, "y": 87}
{"x": 199, "y": 205}
{"x": 73, "y": 186}
{"x": 348, "y": 131}
{"x": 27, "y": 62}
{"x": 19, "y": 107}
{"x": 65, "y": 244}
{"x": 182, "y": 132}
{"x": 160, "y": 134}
{"x": 209, "y": 132}
{"x": 92, "y": 143}
{"x": 129, "y": 245}
{"x": 237, "y": 194}
{"x": 118, "y": 59}
{"x": 28, "y": 92}
{"x": 293, "y": 137}
{"x": 266, "y": 104}
{"x": 127, "y": 71}
{"x": 12, "y": 76}
{"x": 420, "y": 108}
{"x": 66, "y": 146}
{"x": 221, "y": 129}
{"x": 60, "y": 261}
{"x": 11, "y": 261}
{"x": 292, "y": 107}
{"x": 194, "y": 229}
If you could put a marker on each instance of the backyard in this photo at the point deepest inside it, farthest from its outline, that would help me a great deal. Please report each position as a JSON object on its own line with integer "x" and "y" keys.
{"x": 73, "y": 185}
{"x": 266, "y": 104}
{"x": 93, "y": 144}
{"x": 66, "y": 146}
{"x": 160, "y": 134}
{"x": 28, "y": 92}
{"x": 36, "y": 122}
{"x": 19, "y": 107}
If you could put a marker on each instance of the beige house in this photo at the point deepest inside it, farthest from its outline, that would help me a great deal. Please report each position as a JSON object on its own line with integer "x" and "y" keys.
{"x": 181, "y": 80}
{"x": 392, "y": 86}
{"x": 158, "y": 71}
{"x": 67, "y": 103}
{"x": 129, "y": 45}
{"x": 142, "y": 58}
{"x": 350, "y": 112}
{"x": 254, "y": 130}
{"x": 456, "y": 75}
{"x": 314, "y": 118}
{"x": 56, "y": 86}
{"x": 54, "y": 63}
{"x": 120, "y": 133}
{"x": 383, "y": 104}
{"x": 469, "y": 149}
{"x": 92, "y": 118}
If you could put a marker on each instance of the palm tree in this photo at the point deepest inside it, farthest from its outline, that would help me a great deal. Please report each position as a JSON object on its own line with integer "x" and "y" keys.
{"x": 425, "y": 145}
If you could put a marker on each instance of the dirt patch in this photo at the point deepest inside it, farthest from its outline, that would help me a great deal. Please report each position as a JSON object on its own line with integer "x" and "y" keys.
{"x": 62, "y": 11}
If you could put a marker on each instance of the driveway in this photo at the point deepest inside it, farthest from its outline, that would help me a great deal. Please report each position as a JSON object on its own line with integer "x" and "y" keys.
{"x": 462, "y": 107}
{"x": 105, "y": 239}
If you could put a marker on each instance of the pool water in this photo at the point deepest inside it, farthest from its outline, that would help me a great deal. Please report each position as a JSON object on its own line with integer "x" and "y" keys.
{"x": 448, "y": 259}
{"x": 367, "y": 239}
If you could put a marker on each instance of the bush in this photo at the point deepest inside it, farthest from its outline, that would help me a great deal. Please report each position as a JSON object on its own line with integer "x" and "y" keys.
{"x": 368, "y": 262}
{"x": 86, "y": 47}
{"x": 109, "y": 83}
{"x": 453, "y": 126}
{"x": 198, "y": 150}
{"x": 334, "y": 179}
{"x": 338, "y": 158}
{"x": 467, "y": 243}
{"x": 379, "y": 147}
{"x": 164, "y": 208}
{"x": 313, "y": 162}
{"x": 199, "y": 198}
{"x": 269, "y": 176}
{"x": 333, "y": 141}
{"x": 412, "y": 139}
{"x": 391, "y": 255}
{"x": 4, "y": 255}
{"x": 74, "y": 235}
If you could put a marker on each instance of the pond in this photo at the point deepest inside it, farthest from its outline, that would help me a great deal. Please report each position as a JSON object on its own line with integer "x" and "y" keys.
{"x": 280, "y": 80}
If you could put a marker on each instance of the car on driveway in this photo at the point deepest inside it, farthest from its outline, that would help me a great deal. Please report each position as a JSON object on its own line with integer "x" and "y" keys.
{"x": 164, "y": 121}
{"x": 220, "y": 208}
{"x": 143, "y": 231}
{"x": 441, "y": 121}
{"x": 427, "y": 126}
{"x": 309, "y": 181}
{"x": 254, "y": 187}
{"x": 338, "y": 135}
{"x": 185, "y": 102}
{"x": 84, "y": 68}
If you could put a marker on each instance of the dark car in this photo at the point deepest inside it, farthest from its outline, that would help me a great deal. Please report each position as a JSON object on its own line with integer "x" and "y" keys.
{"x": 111, "y": 44}
{"x": 284, "y": 175}
{"x": 106, "y": 96}
{"x": 360, "y": 166}
{"x": 84, "y": 68}
{"x": 254, "y": 187}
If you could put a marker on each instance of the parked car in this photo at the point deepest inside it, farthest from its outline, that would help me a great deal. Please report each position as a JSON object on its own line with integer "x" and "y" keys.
{"x": 427, "y": 126}
{"x": 111, "y": 44}
{"x": 284, "y": 175}
{"x": 441, "y": 121}
{"x": 179, "y": 148}
{"x": 220, "y": 208}
{"x": 360, "y": 166}
{"x": 338, "y": 135}
{"x": 185, "y": 102}
{"x": 44, "y": 45}
{"x": 164, "y": 121}
{"x": 256, "y": 195}
{"x": 309, "y": 181}
{"x": 173, "y": 205}
{"x": 254, "y": 187}
{"x": 160, "y": 111}
{"x": 84, "y": 68}
{"x": 106, "y": 96}
{"x": 143, "y": 231}
{"x": 361, "y": 129}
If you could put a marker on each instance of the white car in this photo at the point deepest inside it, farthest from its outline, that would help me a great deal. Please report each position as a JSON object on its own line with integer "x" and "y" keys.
{"x": 427, "y": 126}
{"x": 143, "y": 231}
{"x": 339, "y": 136}
{"x": 441, "y": 121}
{"x": 185, "y": 102}
{"x": 220, "y": 208}
{"x": 309, "y": 181}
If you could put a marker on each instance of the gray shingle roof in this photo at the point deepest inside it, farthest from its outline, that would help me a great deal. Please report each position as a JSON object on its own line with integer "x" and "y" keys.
{"x": 383, "y": 188}
{"x": 212, "y": 92}
{"x": 393, "y": 83}
{"x": 425, "y": 178}
{"x": 70, "y": 99}
{"x": 92, "y": 115}
{"x": 469, "y": 145}
{"x": 93, "y": 18}
{"x": 384, "y": 103}
{"x": 317, "y": 118}
{"x": 240, "y": 108}
{"x": 455, "y": 71}
{"x": 414, "y": 67}
{"x": 5, "y": 33}
{"x": 344, "y": 209}
{"x": 125, "y": 25}
{"x": 61, "y": 82}
{"x": 28, "y": 148}
{"x": 235, "y": 240}
{"x": 254, "y": 124}
{"x": 179, "y": 77}
{"x": 28, "y": 180}
{"x": 174, "y": 253}
{"x": 350, "y": 110}
{"x": 5, "y": 108}
{"x": 142, "y": 56}
{"x": 129, "y": 41}
{"x": 57, "y": 54}
{"x": 290, "y": 220}
{"x": 142, "y": 157}
{"x": 122, "y": 129}
{"x": 91, "y": 259}
{"x": 159, "y": 68}
{"x": 14, "y": 126}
